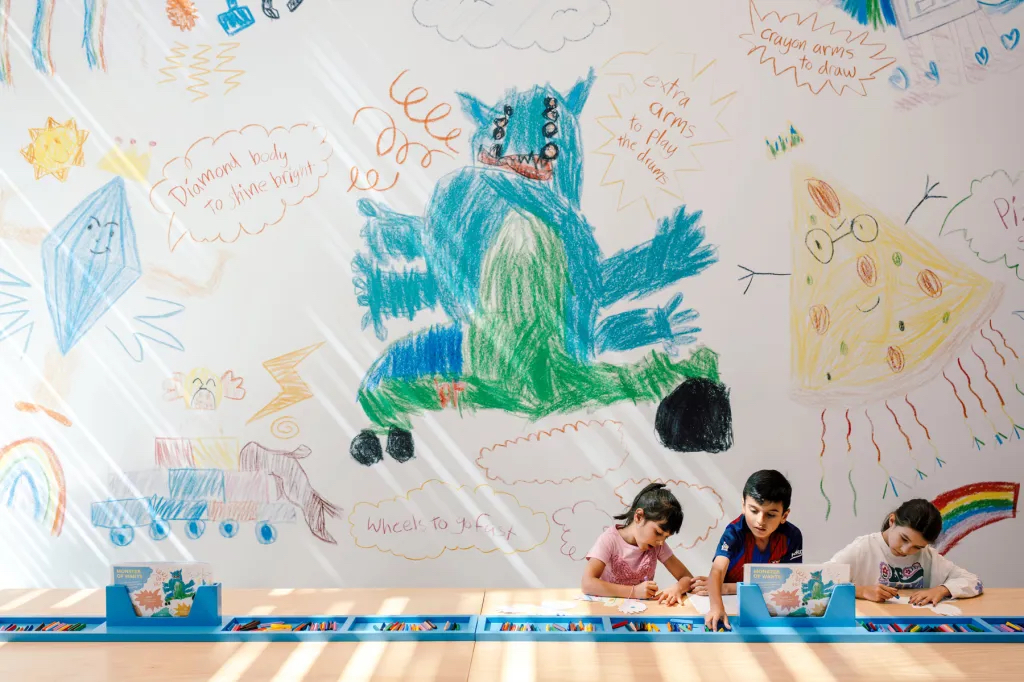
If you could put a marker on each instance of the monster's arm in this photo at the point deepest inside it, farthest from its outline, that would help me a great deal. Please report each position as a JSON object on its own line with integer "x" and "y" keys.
{"x": 678, "y": 250}
{"x": 388, "y": 293}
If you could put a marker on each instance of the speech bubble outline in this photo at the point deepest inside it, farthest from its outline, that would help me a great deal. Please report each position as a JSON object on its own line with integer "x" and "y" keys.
{"x": 164, "y": 205}
{"x": 800, "y": 25}
{"x": 548, "y": 437}
{"x": 453, "y": 490}
{"x": 578, "y": 524}
{"x": 982, "y": 215}
{"x": 691, "y": 489}
{"x": 640, "y": 77}
{"x": 567, "y": 22}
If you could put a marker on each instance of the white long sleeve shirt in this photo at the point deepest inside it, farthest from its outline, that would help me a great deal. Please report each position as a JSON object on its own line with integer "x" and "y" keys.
{"x": 872, "y": 562}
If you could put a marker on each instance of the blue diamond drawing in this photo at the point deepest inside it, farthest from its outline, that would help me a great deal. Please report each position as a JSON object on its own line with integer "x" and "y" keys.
{"x": 89, "y": 261}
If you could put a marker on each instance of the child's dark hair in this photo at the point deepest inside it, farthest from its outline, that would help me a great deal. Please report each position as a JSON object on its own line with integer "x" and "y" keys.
{"x": 659, "y": 505}
{"x": 920, "y": 515}
{"x": 767, "y": 486}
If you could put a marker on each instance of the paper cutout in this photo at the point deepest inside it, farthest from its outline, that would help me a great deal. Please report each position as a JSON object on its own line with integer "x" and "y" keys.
{"x": 632, "y": 606}
{"x": 703, "y": 604}
{"x": 944, "y": 608}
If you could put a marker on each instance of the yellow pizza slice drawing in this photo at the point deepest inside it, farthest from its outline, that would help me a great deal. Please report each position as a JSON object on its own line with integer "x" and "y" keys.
{"x": 876, "y": 310}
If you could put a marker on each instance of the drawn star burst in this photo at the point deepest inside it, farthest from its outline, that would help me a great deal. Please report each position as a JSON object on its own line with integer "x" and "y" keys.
{"x": 56, "y": 148}
{"x": 696, "y": 78}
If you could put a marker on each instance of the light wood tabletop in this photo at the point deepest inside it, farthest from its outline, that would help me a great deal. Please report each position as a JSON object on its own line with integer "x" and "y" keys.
{"x": 486, "y": 661}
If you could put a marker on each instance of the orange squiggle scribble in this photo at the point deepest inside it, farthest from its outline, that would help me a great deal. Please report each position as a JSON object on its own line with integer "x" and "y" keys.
{"x": 32, "y": 407}
{"x": 849, "y": 431}
{"x": 873, "y": 442}
{"x": 408, "y": 101}
{"x": 927, "y": 434}
{"x": 372, "y": 177}
{"x": 970, "y": 387}
{"x": 984, "y": 366}
{"x": 898, "y": 426}
{"x": 391, "y": 132}
{"x": 993, "y": 344}
{"x": 955, "y": 393}
{"x": 1008, "y": 346}
{"x": 822, "y": 453}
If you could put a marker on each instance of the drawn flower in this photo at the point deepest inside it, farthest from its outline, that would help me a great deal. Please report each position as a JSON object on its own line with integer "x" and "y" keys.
{"x": 149, "y": 599}
{"x": 182, "y": 609}
{"x": 182, "y": 14}
{"x": 786, "y": 599}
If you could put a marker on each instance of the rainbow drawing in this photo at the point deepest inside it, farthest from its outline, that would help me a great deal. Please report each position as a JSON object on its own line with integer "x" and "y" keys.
{"x": 92, "y": 38}
{"x": 31, "y": 463}
{"x": 968, "y": 508}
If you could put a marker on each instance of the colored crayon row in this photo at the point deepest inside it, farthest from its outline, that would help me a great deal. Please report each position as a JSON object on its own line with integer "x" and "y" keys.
{"x": 55, "y": 626}
{"x": 1008, "y": 627}
{"x": 308, "y": 626}
{"x": 673, "y": 626}
{"x": 550, "y": 627}
{"x": 894, "y": 627}
{"x": 425, "y": 626}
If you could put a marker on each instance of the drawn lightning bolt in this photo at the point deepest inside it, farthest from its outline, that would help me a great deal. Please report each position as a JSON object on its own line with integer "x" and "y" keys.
{"x": 293, "y": 388}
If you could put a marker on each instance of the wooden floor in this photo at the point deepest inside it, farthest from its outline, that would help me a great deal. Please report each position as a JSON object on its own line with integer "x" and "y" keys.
{"x": 486, "y": 661}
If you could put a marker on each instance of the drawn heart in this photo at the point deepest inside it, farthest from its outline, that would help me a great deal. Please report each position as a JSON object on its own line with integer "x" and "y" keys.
{"x": 899, "y": 78}
{"x": 982, "y": 56}
{"x": 1011, "y": 39}
{"x": 933, "y": 71}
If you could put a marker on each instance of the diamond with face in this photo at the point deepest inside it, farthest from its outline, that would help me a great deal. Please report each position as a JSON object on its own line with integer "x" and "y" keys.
{"x": 89, "y": 261}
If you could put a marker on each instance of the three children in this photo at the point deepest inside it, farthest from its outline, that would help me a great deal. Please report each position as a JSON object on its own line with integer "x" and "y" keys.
{"x": 622, "y": 562}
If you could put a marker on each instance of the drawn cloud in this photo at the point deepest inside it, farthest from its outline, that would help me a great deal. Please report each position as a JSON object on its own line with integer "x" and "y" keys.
{"x": 991, "y": 220}
{"x": 575, "y": 452}
{"x": 240, "y": 181}
{"x": 702, "y": 508}
{"x": 581, "y": 525}
{"x": 438, "y": 517}
{"x": 522, "y": 24}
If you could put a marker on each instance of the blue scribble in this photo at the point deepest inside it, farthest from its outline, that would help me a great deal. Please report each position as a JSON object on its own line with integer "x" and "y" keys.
{"x": 89, "y": 261}
{"x": 88, "y": 41}
{"x": 11, "y": 487}
{"x": 163, "y": 337}
{"x": 8, "y": 300}
{"x": 1000, "y": 6}
{"x": 196, "y": 484}
{"x": 236, "y": 18}
{"x": 878, "y": 13}
{"x": 40, "y": 56}
{"x": 437, "y": 350}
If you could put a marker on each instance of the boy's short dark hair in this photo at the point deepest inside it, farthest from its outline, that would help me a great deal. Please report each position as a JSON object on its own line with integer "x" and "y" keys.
{"x": 767, "y": 486}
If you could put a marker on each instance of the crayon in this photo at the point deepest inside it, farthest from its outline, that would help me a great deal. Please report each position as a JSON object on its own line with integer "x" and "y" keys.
{"x": 1014, "y": 626}
{"x": 616, "y": 626}
{"x": 946, "y": 628}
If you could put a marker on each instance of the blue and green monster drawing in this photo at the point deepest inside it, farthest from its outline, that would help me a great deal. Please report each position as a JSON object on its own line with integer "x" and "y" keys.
{"x": 506, "y": 253}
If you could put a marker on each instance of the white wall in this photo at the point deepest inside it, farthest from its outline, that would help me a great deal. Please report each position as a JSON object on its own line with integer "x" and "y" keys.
{"x": 289, "y": 286}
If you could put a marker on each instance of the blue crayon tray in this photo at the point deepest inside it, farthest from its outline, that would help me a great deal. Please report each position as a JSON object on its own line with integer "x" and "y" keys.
{"x": 489, "y": 628}
{"x": 371, "y": 628}
{"x": 753, "y": 624}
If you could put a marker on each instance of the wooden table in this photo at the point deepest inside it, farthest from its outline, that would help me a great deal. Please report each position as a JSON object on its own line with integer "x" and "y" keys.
{"x": 485, "y": 661}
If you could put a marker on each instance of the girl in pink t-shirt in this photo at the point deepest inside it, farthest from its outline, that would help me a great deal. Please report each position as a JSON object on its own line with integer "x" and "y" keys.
{"x": 622, "y": 561}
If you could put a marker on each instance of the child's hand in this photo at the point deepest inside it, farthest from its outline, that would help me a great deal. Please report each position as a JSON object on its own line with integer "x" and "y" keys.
{"x": 878, "y": 593}
{"x": 699, "y": 586}
{"x": 674, "y": 594}
{"x": 714, "y": 617}
{"x": 932, "y": 596}
{"x": 645, "y": 590}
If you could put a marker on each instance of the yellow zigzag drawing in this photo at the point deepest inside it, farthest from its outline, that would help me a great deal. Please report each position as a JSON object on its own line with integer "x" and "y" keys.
{"x": 293, "y": 388}
{"x": 223, "y": 55}
{"x": 178, "y": 53}
{"x": 200, "y": 70}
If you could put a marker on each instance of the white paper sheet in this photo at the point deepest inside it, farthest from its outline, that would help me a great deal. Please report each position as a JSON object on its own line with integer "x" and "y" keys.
{"x": 943, "y": 608}
{"x": 703, "y": 604}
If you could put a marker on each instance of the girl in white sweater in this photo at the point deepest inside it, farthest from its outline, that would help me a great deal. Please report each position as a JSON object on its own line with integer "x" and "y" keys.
{"x": 901, "y": 558}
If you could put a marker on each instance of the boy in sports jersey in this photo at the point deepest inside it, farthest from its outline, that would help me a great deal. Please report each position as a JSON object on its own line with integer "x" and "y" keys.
{"x": 761, "y": 535}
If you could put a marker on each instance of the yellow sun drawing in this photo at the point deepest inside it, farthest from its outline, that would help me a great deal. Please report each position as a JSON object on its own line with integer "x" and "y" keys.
{"x": 56, "y": 148}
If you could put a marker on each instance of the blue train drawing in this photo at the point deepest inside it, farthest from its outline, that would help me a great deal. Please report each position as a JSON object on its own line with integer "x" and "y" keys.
{"x": 210, "y": 480}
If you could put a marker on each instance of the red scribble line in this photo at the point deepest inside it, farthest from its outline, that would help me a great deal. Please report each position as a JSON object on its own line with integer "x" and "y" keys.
{"x": 970, "y": 387}
{"x": 984, "y": 366}
{"x": 918, "y": 419}
{"x": 896, "y": 419}
{"x": 877, "y": 449}
{"x": 962, "y": 406}
{"x": 611, "y": 424}
{"x": 32, "y": 407}
{"x": 1004, "y": 339}
{"x": 849, "y": 430}
{"x": 822, "y": 453}
{"x": 991, "y": 343}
